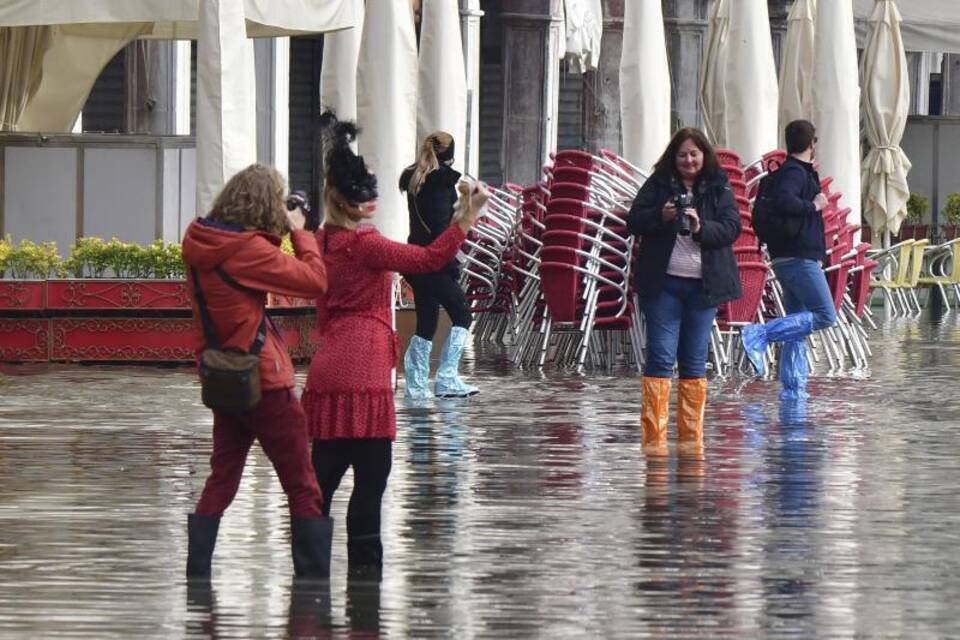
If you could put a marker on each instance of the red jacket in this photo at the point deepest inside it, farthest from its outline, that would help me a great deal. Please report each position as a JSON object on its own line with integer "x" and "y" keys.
{"x": 254, "y": 260}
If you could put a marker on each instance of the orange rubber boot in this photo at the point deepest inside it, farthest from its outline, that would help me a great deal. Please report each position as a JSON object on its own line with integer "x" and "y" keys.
{"x": 654, "y": 414}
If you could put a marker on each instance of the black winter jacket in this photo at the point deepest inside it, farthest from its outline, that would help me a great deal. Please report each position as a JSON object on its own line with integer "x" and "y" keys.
{"x": 796, "y": 186}
{"x": 432, "y": 208}
{"x": 719, "y": 228}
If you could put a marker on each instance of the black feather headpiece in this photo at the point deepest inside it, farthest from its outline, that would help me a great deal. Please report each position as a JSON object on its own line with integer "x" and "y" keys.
{"x": 345, "y": 170}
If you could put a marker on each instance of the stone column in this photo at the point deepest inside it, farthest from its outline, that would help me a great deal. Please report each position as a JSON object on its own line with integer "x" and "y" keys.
{"x": 272, "y": 58}
{"x": 601, "y": 96}
{"x": 951, "y": 85}
{"x": 533, "y": 35}
{"x": 470, "y": 14}
{"x": 158, "y": 87}
{"x": 686, "y": 28}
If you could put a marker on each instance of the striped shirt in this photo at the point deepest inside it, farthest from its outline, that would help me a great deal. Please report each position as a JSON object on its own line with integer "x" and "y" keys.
{"x": 685, "y": 259}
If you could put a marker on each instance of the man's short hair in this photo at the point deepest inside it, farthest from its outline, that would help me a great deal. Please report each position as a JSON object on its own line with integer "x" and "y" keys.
{"x": 799, "y": 135}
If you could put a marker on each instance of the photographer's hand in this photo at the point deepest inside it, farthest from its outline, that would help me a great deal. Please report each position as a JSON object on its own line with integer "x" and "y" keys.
{"x": 694, "y": 219}
{"x": 669, "y": 211}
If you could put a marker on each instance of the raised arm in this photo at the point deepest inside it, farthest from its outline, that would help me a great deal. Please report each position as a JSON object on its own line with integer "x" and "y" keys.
{"x": 269, "y": 269}
{"x": 378, "y": 252}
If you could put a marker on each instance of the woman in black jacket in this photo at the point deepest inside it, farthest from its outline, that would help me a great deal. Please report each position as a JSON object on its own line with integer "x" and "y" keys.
{"x": 431, "y": 190}
{"x": 685, "y": 269}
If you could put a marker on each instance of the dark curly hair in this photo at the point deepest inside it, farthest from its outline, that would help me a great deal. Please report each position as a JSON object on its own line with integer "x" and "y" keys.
{"x": 345, "y": 170}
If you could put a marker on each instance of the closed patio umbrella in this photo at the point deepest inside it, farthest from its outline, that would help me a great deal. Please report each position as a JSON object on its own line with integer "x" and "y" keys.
{"x": 836, "y": 96}
{"x": 442, "y": 76}
{"x": 750, "y": 87}
{"x": 644, "y": 84}
{"x": 886, "y": 103}
{"x": 387, "y": 106}
{"x": 338, "y": 74}
{"x": 713, "y": 73}
{"x": 796, "y": 66}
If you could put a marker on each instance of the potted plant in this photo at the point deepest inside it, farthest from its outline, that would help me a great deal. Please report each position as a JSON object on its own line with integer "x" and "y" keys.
{"x": 917, "y": 207}
{"x": 951, "y": 215}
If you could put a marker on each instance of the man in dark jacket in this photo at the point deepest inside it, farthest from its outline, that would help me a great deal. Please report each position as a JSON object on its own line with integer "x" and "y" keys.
{"x": 796, "y": 254}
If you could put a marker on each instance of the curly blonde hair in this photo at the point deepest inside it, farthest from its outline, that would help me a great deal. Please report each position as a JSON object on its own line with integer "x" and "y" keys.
{"x": 253, "y": 199}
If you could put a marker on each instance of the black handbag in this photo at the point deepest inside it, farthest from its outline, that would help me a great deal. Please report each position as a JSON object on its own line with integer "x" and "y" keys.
{"x": 229, "y": 378}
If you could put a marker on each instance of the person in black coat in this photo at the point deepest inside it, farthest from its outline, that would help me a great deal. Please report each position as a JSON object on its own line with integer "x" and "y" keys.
{"x": 685, "y": 268}
{"x": 431, "y": 187}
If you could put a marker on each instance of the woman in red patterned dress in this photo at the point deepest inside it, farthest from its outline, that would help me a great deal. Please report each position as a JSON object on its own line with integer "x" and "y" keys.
{"x": 349, "y": 397}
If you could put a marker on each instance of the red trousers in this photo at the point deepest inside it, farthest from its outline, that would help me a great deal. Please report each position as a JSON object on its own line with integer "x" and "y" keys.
{"x": 280, "y": 426}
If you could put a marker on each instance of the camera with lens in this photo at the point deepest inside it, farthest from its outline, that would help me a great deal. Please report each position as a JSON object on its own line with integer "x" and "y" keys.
{"x": 683, "y": 201}
{"x": 298, "y": 198}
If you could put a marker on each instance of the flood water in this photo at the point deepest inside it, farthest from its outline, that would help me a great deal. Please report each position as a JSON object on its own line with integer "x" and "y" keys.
{"x": 528, "y": 511}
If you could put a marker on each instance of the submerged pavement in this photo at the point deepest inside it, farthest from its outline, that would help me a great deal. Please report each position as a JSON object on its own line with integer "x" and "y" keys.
{"x": 528, "y": 511}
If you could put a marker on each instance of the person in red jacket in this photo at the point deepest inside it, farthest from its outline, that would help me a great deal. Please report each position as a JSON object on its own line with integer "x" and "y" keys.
{"x": 348, "y": 396}
{"x": 234, "y": 256}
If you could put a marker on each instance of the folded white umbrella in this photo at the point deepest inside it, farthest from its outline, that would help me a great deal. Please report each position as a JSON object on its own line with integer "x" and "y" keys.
{"x": 442, "y": 77}
{"x": 836, "y": 96}
{"x": 796, "y": 65}
{"x": 886, "y": 104}
{"x": 751, "y": 93}
{"x": 338, "y": 75}
{"x": 644, "y": 84}
{"x": 713, "y": 73}
{"x": 387, "y": 106}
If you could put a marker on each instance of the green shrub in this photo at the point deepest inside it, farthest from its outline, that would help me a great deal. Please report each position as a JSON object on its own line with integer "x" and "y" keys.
{"x": 28, "y": 259}
{"x": 951, "y": 210}
{"x": 917, "y": 207}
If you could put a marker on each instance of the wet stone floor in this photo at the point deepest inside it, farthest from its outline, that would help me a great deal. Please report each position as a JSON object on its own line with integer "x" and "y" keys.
{"x": 528, "y": 511}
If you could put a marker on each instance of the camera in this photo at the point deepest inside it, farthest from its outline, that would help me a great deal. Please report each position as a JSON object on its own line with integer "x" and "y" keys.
{"x": 683, "y": 201}
{"x": 298, "y": 198}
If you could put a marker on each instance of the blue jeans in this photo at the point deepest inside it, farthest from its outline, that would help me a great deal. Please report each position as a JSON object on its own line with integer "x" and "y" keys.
{"x": 805, "y": 289}
{"x": 678, "y": 329}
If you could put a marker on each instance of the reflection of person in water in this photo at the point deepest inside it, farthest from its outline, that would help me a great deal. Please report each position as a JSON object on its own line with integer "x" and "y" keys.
{"x": 685, "y": 547}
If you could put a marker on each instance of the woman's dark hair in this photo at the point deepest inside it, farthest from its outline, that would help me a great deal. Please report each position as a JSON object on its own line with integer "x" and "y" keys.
{"x": 799, "y": 135}
{"x": 666, "y": 166}
{"x": 345, "y": 170}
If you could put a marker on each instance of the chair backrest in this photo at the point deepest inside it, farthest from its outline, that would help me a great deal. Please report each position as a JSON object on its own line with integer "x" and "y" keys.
{"x": 861, "y": 286}
{"x": 570, "y": 191}
{"x": 746, "y": 249}
{"x": 903, "y": 262}
{"x": 753, "y": 280}
{"x": 560, "y": 282}
{"x": 728, "y": 157}
{"x": 573, "y": 157}
{"x": 576, "y": 175}
{"x": 739, "y": 188}
{"x": 916, "y": 261}
{"x": 838, "y": 280}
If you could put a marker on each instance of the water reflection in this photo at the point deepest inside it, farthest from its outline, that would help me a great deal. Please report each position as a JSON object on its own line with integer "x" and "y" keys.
{"x": 528, "y": 511}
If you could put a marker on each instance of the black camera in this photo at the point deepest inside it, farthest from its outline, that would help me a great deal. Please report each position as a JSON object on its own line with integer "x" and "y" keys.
{"x": 298, "y": 198}
{"x": 683, "y": 201}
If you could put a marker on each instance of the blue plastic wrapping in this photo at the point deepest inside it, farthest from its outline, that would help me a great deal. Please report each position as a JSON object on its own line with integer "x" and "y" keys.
{"x": 794, "y": 370}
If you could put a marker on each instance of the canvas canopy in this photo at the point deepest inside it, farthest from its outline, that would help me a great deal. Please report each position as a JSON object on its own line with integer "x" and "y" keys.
{"x": 928, "y": 25}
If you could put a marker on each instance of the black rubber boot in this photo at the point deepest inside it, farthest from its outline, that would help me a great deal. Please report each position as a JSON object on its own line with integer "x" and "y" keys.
{"x": 311, "y": 539}
{"x": 365, "y": 556}
{"x": 201, "y": 538}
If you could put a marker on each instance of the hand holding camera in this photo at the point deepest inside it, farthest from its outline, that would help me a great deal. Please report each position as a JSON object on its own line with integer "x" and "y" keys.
{"x": 473, "y": 197}
{"x": 687, "y": 220}
{"x": 298, "y": 209}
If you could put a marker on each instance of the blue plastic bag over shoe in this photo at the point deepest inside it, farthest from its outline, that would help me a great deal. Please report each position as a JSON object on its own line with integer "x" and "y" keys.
{"x": 794, "y": 371}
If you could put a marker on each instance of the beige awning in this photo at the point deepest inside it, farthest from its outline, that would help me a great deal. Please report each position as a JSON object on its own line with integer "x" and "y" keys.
{"x": 886, "y": 104}
{"x": 927, "y": 25}
{"x": 177, "y": 19}
{"x": 21, "y": 64}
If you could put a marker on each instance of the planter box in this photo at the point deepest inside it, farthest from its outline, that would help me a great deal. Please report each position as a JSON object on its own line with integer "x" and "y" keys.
{"x": 24, "y": 340}
{"x": 122, "y": 339}
{"x": 97, "y": 294}
{"x": 22, "y": 295}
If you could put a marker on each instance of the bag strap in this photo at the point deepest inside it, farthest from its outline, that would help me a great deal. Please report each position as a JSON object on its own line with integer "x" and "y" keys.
{"x": 208, "y": 329}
